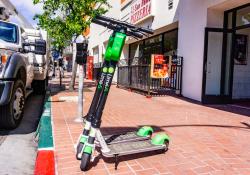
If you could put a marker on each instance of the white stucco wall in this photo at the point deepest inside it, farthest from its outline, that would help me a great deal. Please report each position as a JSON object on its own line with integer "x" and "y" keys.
{"x": 192, "y": 21}
{"x": 161, "y": 15}
{"x": 194, "y": 16}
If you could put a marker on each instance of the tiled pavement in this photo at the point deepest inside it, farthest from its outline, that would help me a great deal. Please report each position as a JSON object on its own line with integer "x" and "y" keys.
{"x": 205, "y": 140}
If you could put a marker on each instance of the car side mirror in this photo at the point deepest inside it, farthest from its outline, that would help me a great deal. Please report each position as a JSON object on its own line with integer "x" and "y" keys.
{"x": 40, "y": 47}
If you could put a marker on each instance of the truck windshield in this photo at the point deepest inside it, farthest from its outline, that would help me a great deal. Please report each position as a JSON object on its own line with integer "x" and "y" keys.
{"x": 8, "y": 32}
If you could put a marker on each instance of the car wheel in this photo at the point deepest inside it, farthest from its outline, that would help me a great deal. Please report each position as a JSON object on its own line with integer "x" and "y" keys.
{"x": 12, "y": 113}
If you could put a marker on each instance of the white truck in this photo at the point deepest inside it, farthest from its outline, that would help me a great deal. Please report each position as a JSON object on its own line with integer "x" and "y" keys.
{"x": 16, "y": 71}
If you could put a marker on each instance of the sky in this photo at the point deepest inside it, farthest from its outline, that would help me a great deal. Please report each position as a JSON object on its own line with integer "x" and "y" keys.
{"x": 27, "y": 9}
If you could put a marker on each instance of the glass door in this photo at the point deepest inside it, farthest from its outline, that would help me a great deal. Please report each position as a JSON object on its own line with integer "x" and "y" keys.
{"x": 217, "y": 66}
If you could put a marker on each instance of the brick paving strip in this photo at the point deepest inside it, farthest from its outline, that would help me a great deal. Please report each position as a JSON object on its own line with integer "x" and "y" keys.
{"x": 205, "y": 140}
{"x": 45, "y": 161}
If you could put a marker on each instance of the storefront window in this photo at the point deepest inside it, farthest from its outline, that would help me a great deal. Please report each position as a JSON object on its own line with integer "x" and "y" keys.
{"x": 153, "y": 40}
{"x": 152, "y": 46}
{"x": 170, "y": 42}
{"x": 230, "y": 19}
{"x": 140, "y": 52}
{"x": 243, "y": 16}
{"x": 136, "y": 50}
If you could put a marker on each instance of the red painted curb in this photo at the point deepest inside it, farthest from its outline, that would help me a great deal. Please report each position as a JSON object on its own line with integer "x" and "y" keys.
{"x": 45, "y": 163}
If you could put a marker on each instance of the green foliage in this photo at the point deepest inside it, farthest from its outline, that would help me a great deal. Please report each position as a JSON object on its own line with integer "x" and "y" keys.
{"x": 63, "y": 19}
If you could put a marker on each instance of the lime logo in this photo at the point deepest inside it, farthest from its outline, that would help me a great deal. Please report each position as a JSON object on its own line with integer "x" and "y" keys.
{"x": 99, "y": 86}
{"x": 106, "y": 89}
{"x": 111, "y": 70}
{"x": 105, "y": 69}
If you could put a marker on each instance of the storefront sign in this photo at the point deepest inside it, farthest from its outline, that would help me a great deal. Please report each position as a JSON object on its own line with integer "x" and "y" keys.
{"x": 159, "y": 67}
{"x": 140, "y": 9}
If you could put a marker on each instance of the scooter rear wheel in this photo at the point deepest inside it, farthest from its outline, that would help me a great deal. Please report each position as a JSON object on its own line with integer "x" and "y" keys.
{"x": 85, "y": 161}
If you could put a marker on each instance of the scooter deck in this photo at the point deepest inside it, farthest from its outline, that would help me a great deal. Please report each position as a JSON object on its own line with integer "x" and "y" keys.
{"x": 124, "y": 137}
{"x": 128, "y": 148}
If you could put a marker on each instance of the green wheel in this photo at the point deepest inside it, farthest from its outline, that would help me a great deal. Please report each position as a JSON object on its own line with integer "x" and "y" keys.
{"x": 166, "y": 143}
{"x": 145, "y": 131}
{"x": 160, "y": 139}
{"x": 85, "y": 161}
{"x": 79, "y": 150}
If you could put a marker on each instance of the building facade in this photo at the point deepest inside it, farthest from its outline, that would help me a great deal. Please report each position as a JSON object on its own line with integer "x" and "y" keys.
{"x": 212, "y": 36}
{"x": 12, "y": 14}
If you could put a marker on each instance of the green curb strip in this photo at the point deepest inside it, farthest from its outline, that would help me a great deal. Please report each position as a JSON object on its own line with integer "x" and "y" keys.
{"x": 45, "y": 129}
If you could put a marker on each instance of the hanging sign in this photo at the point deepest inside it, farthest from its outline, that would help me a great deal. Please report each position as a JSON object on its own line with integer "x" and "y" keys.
{"x": 140, "y": 9}
{"x": 159, "y": 67}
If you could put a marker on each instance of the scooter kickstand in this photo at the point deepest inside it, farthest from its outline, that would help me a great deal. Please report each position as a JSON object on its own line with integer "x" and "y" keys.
{"x": 116, "y": 161}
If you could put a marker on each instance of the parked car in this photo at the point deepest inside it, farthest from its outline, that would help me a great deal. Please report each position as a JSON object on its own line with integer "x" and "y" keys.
{"x": 16, "y": 72}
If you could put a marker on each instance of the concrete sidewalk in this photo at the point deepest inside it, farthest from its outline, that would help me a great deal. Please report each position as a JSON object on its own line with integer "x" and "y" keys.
{"x": 205, "y": 140}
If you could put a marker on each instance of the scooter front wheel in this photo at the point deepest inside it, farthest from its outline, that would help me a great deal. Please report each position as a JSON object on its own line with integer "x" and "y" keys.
{"x": 85, "y": 161}
{"x": 79, "y": 151}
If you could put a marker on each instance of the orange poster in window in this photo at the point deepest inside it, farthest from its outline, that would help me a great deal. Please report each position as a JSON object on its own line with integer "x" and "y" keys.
{"x": 90, "y": 67}
{"x": 159, "y": 67}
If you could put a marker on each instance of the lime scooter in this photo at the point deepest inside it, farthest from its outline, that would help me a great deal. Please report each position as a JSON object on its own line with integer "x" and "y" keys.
{"x": 124, "y": 143}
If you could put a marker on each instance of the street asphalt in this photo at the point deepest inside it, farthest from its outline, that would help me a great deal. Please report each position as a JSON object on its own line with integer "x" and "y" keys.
{"x": 18, "y": 147}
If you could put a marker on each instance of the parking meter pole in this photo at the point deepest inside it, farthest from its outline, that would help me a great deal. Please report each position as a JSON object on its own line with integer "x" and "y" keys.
{"x": 81, "y": 58}
{"x": 80, "y": 91}
{"x": 74, "y": 69}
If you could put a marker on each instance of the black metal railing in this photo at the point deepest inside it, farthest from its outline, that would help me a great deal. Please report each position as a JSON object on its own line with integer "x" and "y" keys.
{"x": 97, "y": 71}
{"x": 138, "y": 77}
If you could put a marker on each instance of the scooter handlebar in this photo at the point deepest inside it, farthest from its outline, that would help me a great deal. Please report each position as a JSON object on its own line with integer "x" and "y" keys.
{"x": 114, "y": 27}
{"x": 142, "y": 29}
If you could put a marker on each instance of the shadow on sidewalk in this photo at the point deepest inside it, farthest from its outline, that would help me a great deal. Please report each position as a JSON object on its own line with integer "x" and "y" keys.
{"x": 236, "y": 108}
{"x": 119, "y": 130}
{"x": 232, "y": 108}
{"x": 55, "y": 88}
{"x": 206, "y": 125}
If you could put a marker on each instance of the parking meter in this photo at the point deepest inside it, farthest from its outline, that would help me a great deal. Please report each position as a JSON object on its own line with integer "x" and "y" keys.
{"x": 81, "y": 53}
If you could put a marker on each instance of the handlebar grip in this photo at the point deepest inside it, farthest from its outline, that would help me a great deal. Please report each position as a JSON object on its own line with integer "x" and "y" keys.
{"x": 135, "y": 34}
{"x": 96, "y": 21}
{"x": 108, "y": 25}
{"x": 149, "y": 31}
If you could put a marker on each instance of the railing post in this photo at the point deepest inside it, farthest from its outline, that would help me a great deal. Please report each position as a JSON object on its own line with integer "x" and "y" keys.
{"x": 130, "y": 76}
{"x": 181, "y": 75}
{"x": 118, "y": 76}
{"x": 149, "y": 82}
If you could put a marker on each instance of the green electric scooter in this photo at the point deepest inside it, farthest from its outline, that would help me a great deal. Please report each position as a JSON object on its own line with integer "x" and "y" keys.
{"x": 118, "y": 144}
